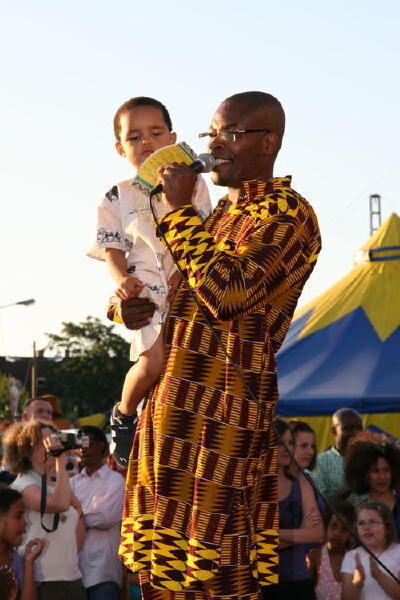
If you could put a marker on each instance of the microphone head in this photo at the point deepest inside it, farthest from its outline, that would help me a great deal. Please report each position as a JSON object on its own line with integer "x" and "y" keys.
{"x": 208, "y": 162}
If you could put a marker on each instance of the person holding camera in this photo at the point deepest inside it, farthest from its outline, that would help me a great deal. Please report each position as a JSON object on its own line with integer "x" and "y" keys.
{"x": 52, "y": 511}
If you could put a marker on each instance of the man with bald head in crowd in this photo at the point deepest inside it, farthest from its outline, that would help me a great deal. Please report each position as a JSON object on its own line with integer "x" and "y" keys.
{"x": 37, "y": 409}
{"x": 328, "y": 474}
{"x": 201, "y": 516}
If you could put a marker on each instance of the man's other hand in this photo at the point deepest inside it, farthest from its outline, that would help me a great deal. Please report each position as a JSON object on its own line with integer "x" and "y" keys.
{"x": 136, "y": 312}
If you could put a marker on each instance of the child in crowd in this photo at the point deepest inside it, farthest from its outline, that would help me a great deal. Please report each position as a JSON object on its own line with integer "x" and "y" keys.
{"x": 136, "y": 258}
{"x": 324, "y": 563}
{"x": 363, "y": 578}
{"x": 16, "y": 572}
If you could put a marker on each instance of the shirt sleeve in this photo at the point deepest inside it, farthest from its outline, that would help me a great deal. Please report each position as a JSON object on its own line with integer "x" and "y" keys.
{"x": 272, "y": 261}
{"x": 348, "y": 564}
{"x": 105, "y": 510}
{"x": 201, "y": 199}
{"x": 109, "y": 231}
{"x": 318, "y": 475}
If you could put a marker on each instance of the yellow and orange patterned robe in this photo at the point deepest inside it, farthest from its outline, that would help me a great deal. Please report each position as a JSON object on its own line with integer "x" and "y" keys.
{"x": 204, "y": 452}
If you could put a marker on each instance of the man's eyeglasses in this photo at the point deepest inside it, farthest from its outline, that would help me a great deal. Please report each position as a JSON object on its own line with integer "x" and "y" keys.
{"x": 370, "y": 523}
{"x": 230, "y": 135}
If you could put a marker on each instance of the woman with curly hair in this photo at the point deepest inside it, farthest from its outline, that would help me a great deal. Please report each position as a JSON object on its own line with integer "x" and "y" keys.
{"x": 373, "y": 468}
{"x": 27, "y": 447}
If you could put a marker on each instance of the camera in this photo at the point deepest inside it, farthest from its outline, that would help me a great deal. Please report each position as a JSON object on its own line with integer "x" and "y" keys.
{"x": 71, "y": 439}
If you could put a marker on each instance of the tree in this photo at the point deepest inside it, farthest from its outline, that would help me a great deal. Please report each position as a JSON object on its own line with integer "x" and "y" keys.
{"x": 90, "y": 376}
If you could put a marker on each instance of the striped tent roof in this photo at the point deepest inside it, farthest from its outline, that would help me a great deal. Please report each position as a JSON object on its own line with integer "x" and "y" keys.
{"x": 343, "y": 348}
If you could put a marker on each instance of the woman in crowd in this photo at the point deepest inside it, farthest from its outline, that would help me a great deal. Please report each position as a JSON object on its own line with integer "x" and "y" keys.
{"x": 325, "y": 563}
{"x": 26, "y": 447}
{"x": 363, "y": 578}
{"x": 374, "y": 469}
{"x": 300, "y": 523}
{"x": 304, "y": 451}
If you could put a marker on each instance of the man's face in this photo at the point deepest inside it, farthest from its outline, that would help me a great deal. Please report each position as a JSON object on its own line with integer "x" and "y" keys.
{"x": 142, "y": 132}
{"x": 40, "y": 410}
{"x": 344, "y": 428}
{"x": 92, "y": 457}
{"x": 246, "y": 157}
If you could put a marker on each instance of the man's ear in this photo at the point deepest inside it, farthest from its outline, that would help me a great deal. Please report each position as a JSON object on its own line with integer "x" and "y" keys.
{"x": 119, "y": 148}
{"x": 272, "y": 143}
{"x": 172, "y": 137}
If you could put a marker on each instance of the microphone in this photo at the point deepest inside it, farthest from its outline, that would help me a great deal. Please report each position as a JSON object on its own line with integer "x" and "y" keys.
{"x": 204, "y": 163}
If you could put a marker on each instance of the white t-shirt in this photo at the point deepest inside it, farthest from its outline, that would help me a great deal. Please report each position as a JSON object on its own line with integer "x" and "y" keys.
{"x": 102, "y": 497}
{"x": 371, "y": 589}
{"x": 59, "y": 559}
{"x": 125, "y": 222}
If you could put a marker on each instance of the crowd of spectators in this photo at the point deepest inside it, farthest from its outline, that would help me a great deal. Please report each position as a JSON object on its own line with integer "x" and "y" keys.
{"x": 60, "y": 527}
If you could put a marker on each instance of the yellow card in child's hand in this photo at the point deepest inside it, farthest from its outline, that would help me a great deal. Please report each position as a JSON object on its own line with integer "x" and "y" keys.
{"x": 147, "y": 175}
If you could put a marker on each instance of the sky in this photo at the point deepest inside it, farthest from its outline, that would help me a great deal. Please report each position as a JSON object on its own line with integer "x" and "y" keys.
{"x": 66, "y": 67}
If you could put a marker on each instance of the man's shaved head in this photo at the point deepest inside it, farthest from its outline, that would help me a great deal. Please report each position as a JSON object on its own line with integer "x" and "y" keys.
{"x": 346, "y": 423}
{"x": 345, "y": 412}
{"x": 258, "y": 120}
{"x": 267, "y": 106}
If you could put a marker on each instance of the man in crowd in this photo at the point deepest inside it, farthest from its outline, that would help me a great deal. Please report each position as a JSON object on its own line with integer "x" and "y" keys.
{"x": 100, "y": 492}
{"x": 37, "y": 408}
{"x": 200, "y": 516}
{"x": 328, "y": 475}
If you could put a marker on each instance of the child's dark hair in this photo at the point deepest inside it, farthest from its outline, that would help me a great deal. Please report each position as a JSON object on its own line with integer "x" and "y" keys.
{"x": 386, "y": 515}
{"x": 342, "y": 508}
{"x": 134, "y": 103}
{"x": 8, "y": 497}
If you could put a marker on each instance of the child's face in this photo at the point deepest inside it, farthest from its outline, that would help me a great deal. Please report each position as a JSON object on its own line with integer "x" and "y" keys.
{"x": 371, "y": 528}
{"x": 143, "y": 130}
{"x": 380, "y": 476}
{"x": 304, "y": 448}
{"x": 337, "y": 535}
{"x": 14, "y": 524}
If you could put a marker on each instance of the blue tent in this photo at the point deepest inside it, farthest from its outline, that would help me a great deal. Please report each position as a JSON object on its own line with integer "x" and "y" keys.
{"x": 343, "y": 348}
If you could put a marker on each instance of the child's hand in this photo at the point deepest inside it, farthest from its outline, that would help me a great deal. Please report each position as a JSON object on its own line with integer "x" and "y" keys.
{"x": 359, "y": 573}
{"x": 33, "y": 549}
{"x": 173, "y": 284}
{"x": 129, "y": 287}
{"x": 375, "y": 570}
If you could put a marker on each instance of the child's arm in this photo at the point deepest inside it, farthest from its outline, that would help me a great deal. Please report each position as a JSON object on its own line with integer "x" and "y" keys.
{"x": 32, "y": 551}
{"x": 313, "y": 561}
{"x": 128, "y": 286}
{"x": 389, "y": 585}
{"x": 353, "y": 583}
{"x": 173, "y": 284}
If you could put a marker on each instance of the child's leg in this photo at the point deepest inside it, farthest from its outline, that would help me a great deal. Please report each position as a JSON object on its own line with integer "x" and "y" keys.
{"x": 141, "y": 376}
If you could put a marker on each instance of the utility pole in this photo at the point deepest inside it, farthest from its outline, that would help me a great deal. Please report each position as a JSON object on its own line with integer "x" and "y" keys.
{"x": 33, "y": 371}
{"x": 375, "y": 216}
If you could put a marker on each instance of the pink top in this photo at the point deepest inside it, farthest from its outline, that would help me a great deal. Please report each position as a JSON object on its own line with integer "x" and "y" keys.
{"x": 327, "y": 587}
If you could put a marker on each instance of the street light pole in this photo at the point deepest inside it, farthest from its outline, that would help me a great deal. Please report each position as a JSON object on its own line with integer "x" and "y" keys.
{"x": 33, "y": 371}
{"x": 21, "y": 302}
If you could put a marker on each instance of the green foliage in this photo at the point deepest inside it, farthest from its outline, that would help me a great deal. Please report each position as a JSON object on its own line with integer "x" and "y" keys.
{"x": 89, "y": 379}
{"x": 5, "y": 411}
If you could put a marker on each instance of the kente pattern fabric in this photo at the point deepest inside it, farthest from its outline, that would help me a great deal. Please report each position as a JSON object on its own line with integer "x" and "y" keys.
{"x": 203, "y": 446}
